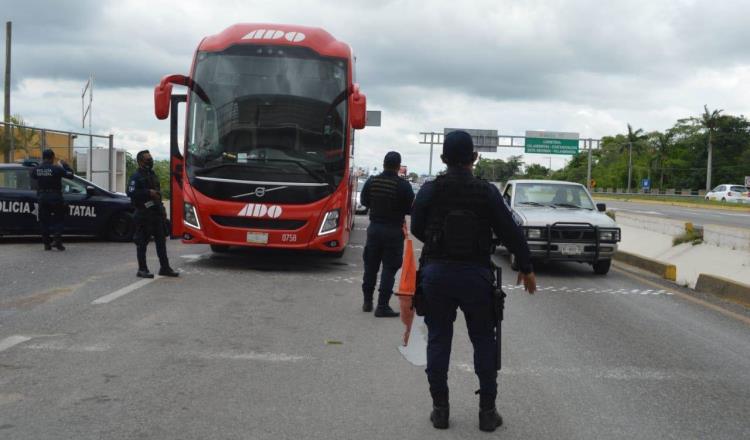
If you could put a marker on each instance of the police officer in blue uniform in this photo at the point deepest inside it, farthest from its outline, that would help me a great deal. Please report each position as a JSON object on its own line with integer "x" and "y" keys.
{"x": 454, "y": 216}
{"x": 389, "y": 199}
{"x": 144, "y": 191}
{"x": 51, "y": 204}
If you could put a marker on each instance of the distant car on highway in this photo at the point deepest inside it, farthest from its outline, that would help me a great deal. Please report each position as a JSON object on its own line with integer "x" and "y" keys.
{"x": 91, "y": 210}
{"x": 729, "y": 193}
{"x": 359, "y": 208}
{"x": 562, "y": 223}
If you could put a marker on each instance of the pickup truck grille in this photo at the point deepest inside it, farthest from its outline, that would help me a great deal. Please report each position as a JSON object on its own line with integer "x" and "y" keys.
{"x": 572, "y": 234}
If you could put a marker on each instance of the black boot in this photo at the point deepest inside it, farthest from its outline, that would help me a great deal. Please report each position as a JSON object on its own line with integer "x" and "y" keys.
{"x": 47, "y": 246}
{"x": 440, "y": 411}
{"x": 168, "y": 272}
{"x": 489, "y": 418}
{"x": 385, "y": 312}
{"x": 58, "y": 244}
{"x": 367, "y": 306}
{"x": 144, "y": 273}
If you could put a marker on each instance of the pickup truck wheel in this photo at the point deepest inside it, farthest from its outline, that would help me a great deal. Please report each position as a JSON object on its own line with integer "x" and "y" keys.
{"x": 219, "y": 248}
{"x": 513, "y": 262}
{"x": 601, "y": 267}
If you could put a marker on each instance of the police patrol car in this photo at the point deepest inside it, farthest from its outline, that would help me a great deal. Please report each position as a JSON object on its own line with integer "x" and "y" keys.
{"x": 90, "y": 210}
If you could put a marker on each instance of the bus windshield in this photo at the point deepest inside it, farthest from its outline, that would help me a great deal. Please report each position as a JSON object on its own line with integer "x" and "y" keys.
{"x": 271, "y": 113}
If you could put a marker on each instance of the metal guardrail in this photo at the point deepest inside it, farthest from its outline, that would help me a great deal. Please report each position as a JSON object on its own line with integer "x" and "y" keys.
{"x": 685, "y": 193}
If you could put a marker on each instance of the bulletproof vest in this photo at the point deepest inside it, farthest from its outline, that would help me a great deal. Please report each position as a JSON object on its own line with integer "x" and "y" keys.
{"x": 49, "y": 179}
{"x": 384, "y": 199}
{"x": 458, "y": 223}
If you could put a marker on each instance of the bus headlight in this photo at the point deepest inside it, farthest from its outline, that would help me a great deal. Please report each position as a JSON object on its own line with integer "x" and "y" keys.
{"x": 330, "y": 222}
{"x": 190, "y": 216}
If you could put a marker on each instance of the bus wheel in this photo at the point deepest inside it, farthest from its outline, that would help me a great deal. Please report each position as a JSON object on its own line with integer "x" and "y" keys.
{"x": 219, "y": 248}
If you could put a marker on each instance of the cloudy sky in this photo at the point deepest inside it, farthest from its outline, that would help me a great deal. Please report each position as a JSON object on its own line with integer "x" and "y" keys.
{"x": 582, "y": 66}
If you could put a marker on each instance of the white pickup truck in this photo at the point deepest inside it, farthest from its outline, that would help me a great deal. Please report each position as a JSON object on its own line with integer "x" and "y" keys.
{"x": 562, "y": 223}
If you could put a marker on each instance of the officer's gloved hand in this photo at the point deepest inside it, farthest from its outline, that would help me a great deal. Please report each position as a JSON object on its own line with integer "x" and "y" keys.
{"x": 528, "y": 280}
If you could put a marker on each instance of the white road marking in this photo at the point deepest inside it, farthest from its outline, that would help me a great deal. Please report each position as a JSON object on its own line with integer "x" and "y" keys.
{"x": 253, "y": 356}
{"x": 11, "y": 341}
{"x": 57, "y": 346}
{"x": 124, "y": 291}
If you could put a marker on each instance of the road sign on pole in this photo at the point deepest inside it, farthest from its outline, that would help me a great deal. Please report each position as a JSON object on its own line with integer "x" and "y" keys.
{"x": 485, "y": 141}
{"x": 551, "y": 142}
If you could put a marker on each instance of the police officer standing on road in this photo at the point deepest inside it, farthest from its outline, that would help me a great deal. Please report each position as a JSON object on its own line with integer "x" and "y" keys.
{"x": 454, "y": 217}
{"x": 389, "y": 199}
{"x": 150, "y": 217}
{"x": 51, "y": 208}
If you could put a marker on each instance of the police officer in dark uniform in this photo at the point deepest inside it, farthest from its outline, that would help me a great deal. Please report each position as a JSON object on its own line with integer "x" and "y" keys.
{"x": 51, "y": 208}
{"x": 454, "y": 217}
{"x": 150, "y": 216}
{"x": 389, "y": 199}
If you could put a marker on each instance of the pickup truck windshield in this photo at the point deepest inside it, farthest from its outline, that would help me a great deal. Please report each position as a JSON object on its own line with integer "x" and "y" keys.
{"x": 552, "y": 195}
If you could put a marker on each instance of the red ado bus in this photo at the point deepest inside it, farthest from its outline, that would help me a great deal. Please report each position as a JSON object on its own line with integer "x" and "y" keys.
{"x": 268, "y": 140}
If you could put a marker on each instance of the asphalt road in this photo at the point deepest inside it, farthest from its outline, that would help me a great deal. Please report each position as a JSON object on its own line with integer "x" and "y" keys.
{"x": 274, "y": 346}
{"x": 699, "y": 216}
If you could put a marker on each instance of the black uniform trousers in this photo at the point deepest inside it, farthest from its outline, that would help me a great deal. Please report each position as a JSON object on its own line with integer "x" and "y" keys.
{"x": 51, "y": 216}
{"x": 448, "y": 286}
{"x": 150, "y": 223}
{"x": 385, "y": 244}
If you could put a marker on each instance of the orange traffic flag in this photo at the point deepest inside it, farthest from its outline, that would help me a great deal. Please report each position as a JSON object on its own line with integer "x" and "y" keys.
{"x": 407, "y": 285}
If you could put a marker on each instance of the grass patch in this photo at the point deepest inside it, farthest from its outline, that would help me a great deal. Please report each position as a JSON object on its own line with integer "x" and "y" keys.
{"x": 691, "y": 236}
{"x": 692, "y": 200}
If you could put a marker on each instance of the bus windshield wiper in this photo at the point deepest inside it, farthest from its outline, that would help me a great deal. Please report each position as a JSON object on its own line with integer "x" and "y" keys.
{"x": 321, "y": 178}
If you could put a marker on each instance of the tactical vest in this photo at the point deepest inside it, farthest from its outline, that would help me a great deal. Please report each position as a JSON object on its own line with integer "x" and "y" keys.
{"x": 383, "y": 192}
{"x": 458, "y": 223}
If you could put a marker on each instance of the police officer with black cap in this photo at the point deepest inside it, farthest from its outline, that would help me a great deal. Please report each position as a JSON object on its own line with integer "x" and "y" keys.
{"x": 51, "y": 204}
{"x": 389, "y": 199}
{"x": 454, "y": 216}
{"x": 144, "y": 191}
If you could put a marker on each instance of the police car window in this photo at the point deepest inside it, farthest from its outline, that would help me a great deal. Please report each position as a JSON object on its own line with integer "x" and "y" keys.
{"x": 15, "y": 179}
{"x": 70, "y": 186}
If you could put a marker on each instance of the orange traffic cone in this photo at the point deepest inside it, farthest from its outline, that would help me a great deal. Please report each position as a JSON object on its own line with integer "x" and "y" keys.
{"x": 407, "y": 285}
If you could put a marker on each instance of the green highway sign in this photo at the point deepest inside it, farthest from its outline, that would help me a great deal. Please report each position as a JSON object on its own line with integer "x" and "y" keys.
{"x": 551, "y": 142}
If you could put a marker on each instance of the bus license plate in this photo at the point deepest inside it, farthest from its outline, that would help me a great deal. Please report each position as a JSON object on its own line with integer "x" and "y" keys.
{"x": 257, "y": 237}
{"x": 571, "y": 249}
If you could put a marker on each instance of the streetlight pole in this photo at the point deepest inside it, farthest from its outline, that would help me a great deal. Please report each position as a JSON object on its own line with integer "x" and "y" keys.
{"x": 630, "y": 163}
{"x": 7, "y": 129}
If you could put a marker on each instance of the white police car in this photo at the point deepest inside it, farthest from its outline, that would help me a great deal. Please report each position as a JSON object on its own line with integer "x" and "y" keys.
{"x": 90, "y": 210}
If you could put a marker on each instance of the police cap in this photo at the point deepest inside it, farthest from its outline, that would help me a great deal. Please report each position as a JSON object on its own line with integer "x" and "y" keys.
{"x": 48, "y": 154}
{"x": 392, "y": 159}
{"x": 458, "y": 147}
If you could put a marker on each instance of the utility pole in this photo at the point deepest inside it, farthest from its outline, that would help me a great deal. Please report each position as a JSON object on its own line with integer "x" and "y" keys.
{"x": 630, "y": 163}
{"x": 588, "y": 173}
{"x": 6, "y": 118}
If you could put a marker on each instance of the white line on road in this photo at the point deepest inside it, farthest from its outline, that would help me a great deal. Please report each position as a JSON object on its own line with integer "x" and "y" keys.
{"x": 10, "y": 341}
{"x": 124, "y": 291}
{"x": 253, "y": 356}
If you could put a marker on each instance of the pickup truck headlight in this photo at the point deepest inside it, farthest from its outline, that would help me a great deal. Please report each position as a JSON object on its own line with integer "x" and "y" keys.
{"x": 330, "y": 222}
{"x": 534, "y": 233}
{"x": 190, "y": 216}
{"x": 609, "y": 235}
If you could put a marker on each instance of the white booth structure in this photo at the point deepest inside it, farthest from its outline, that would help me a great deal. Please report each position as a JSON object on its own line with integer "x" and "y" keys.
{"x": 100, "y": 174}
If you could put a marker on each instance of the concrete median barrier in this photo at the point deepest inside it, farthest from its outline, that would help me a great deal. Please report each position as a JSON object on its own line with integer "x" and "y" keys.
{"x": 727, "y": 237}
{"x": 724, "y": 288}
{"x": 664, "y": 270}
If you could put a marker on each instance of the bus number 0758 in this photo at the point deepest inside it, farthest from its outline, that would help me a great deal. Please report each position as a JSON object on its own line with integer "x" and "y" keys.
{"x": 289, "y": 238}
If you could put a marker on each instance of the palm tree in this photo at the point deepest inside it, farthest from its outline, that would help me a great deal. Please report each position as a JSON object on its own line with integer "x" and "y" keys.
{"x": 662, "y": 143}
{"x": 632, "y": 137}
{"x": 709, "y": 121}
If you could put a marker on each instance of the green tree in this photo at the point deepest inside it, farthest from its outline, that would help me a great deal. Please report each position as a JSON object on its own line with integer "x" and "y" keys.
{"x": 662, "y": 143}
{"x": 21, "y": 138}
{"x": 536, "y": 171}
{"x": 633, "y": 138}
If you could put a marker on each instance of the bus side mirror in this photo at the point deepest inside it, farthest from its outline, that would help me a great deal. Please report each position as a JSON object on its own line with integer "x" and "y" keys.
{"x": 358, "y": 108}
{"x": 162, "y": 100}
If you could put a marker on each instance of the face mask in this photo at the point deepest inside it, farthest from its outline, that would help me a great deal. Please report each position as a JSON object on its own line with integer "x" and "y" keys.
{"x": 148, "y": 164}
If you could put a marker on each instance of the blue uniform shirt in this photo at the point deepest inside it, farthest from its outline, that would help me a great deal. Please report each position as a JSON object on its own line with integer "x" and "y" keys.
{"x": 404, "y": 196}
{"x": 501, "y": 222}
{"x": 49, "y": 177}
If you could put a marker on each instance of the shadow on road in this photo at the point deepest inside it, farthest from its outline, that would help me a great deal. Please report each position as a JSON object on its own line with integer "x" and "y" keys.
{"x": 272, "y": 260}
